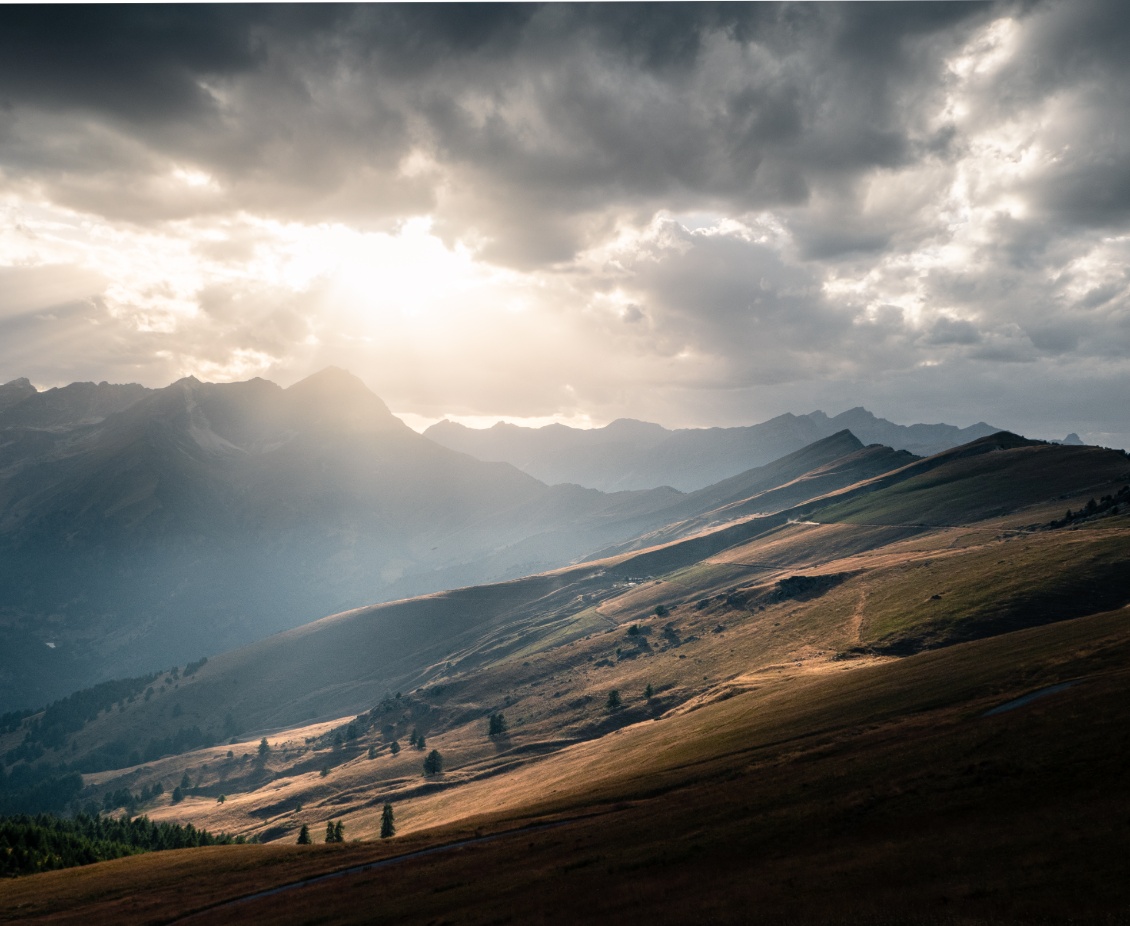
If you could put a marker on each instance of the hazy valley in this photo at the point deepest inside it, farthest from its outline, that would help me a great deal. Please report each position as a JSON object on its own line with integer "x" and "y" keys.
{"x": 144, "y": 528}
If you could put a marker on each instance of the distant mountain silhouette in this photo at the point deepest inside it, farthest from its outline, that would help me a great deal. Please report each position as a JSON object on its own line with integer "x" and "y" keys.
{"x": 202, "y": 516}
{"x": 15, "y": 392}
{"x": 21, "y": 405}
{"x": 629, "y": 454}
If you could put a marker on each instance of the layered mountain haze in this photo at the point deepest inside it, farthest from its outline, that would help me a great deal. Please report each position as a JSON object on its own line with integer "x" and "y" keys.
{"x": 207, "y": 515}
{"x": 145, "y": 527}
{"x": 874, "y": 565}
{"x": 629, "y": 454}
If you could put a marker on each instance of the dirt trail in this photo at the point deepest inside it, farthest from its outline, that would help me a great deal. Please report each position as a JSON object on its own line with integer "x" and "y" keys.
{"x": 855, "y": 624}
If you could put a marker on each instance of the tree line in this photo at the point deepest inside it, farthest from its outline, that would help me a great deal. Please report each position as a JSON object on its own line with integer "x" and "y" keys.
{"x": 45, "y": 842}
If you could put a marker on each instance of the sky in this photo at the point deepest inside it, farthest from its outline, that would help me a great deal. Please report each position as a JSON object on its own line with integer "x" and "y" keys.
{"x": 692, "y": 214}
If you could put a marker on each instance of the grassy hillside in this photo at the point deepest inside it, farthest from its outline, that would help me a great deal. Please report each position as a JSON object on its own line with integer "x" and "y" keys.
{"x": 877, "y": 795}
{"x": 798, "y": 727}
{"x": 988, "y": 478}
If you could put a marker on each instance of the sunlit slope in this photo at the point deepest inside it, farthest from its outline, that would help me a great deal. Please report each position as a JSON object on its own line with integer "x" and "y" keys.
{"x": 755, "y": 602}
{"x": 799, "y": 723}
{"x": 861, "y": 795}
{"x": 866, "y": 588}
{"x": 376, "y": 659}
{"x": 333, "y": 666}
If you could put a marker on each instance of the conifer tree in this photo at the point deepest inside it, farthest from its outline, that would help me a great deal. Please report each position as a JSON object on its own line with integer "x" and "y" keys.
{"x": 433, "y": 764}
{"x": 304, "y": 835}
{"x": 388, "y": 825}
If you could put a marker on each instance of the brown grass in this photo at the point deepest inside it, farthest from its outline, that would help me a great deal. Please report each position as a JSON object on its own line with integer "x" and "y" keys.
{"x": 874, "y": 796}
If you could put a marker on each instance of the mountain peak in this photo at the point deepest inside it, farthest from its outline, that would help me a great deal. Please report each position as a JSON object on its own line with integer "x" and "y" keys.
{"x": 635, "y": 426}
{"x": 14, "y": 392}
{"x": 335, "y": 398}
{"x": 857, "y": 414}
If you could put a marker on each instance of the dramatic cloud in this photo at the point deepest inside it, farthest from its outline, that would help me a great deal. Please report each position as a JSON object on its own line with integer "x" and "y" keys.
{"x": 694, "y": 213}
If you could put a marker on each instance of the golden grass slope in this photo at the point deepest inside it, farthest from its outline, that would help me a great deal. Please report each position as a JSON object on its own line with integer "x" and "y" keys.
{"x": 880, "y": 794}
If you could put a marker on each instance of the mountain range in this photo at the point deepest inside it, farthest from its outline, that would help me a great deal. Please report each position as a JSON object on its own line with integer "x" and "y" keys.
{"x": 141, "y": 528}
{"x": 629, "y": 454}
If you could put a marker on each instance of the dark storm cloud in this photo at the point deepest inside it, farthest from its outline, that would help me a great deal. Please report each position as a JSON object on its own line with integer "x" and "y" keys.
{"x": 141, "y": 63}
{"x": 557, "y": 111}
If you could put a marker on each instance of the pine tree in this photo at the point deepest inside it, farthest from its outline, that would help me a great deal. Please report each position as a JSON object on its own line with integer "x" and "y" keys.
{"x": 388, "y": 826}
{"x": 497, "y": 725}
{"x": 614, "y": 700}
{"x": 264, "y": 748}
{"x": 395, "y": 747}
{"x": 304, "y": 835}
{"x": 433, "y": 764}
{"x": 331, "y": 831}
{"x": 339, "y": 831}
{"x": 648, "y": 692}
